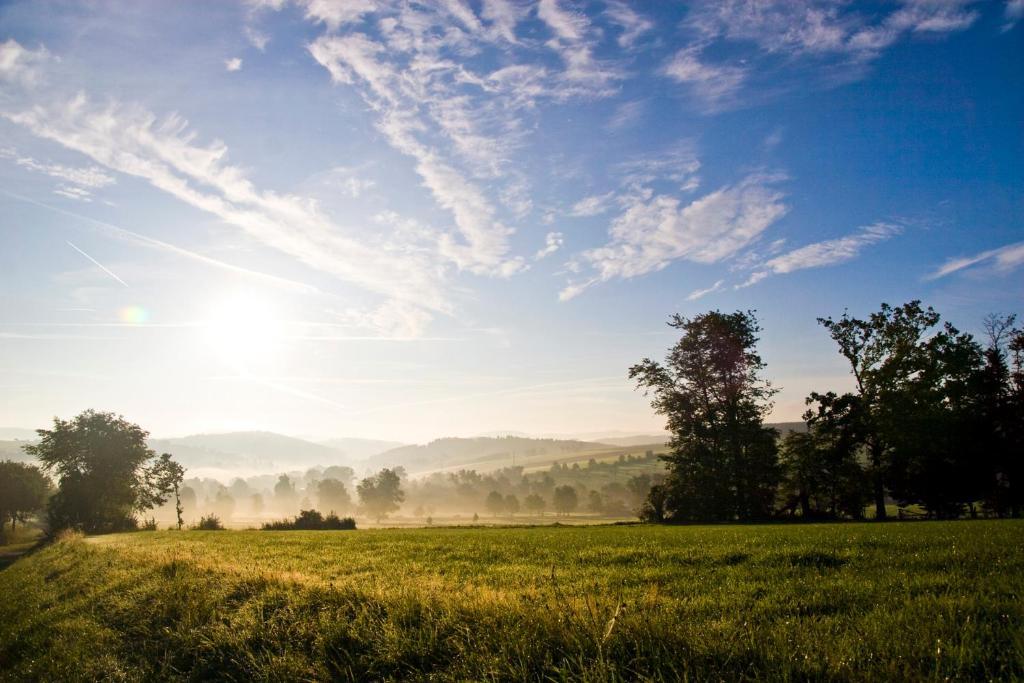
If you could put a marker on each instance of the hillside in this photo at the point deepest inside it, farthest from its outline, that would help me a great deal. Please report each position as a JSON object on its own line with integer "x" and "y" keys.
{"x": 17, "y": 434}
{"x": 638, "y": 440}
{"x": 786, "y": 427}
{"x": 247, "y": 453}
{"x": 360, "y": 449}
{"x": 455, "y": 452}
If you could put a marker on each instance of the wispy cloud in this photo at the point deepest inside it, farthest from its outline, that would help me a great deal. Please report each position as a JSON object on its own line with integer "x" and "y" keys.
{"x": 233, "y": 64}
{"x": 698, "y": 293}
{"x": 714, "y": 85}
{"x": 1003, "y": 259}
{"x": 143, "y": 240}
{"x": 97, "y": 263}
{"x": 676, "y": 164}
{"x": 594, "y": 205}
{"x": 552, "y": 243}
{"x": 79, "y": 182}
{"x": 21, "y": 65}
{"x": 656, "y": 230}
{"x": 825, "y": 253}
{"x": 627, "y": 114}
{"x": 1012, "y": 13}
{"x": 258, "y": 39}
{"x": 808, "y": 34}
{"x": 336, "y": 14}
{"x": 829, "y": 26}
{"x": 460, "y": 124}
{"x": 632, "y": 24}
{"x": 131, "y": 140}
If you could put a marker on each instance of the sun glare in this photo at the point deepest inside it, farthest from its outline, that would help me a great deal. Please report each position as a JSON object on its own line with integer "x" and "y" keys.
{"x": 243, "y": 329}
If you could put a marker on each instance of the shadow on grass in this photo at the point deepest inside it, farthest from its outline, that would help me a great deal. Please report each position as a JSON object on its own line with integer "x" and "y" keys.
{"x": 9, "y": 554}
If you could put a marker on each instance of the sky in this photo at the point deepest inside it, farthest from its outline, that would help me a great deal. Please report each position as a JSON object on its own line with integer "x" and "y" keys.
{"x": 409, "y": 220}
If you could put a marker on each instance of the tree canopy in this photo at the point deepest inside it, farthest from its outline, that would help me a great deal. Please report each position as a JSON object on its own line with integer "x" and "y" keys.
{"x": 106, "y": 472}
{"x": 333, "y": 496}
{"x": 23, "y": 491}
{"x": 381, "y": 494}
{"x": 914, "y": 410}
{"x": 723, "y": 463}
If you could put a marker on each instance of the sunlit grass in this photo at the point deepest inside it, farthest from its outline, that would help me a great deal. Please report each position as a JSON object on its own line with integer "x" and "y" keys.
{"x": 845, "y": 601}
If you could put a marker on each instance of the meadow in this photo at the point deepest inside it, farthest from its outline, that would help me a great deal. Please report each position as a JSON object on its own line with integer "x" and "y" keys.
{"x": 848, "y": 601}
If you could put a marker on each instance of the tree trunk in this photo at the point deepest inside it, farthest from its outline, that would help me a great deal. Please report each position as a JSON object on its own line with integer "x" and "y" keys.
{"x": 805, "y": 505}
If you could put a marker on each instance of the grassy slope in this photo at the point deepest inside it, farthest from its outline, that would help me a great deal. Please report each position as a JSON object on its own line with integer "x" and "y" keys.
{"x": 844, "y": 601}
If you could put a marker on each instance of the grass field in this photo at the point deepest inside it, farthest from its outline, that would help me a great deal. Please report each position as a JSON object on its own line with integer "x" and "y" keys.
{"x": 897, "y": 601}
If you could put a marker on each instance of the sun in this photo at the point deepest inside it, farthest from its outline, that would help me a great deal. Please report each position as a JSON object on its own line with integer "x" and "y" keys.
{"x": 243, "y": 328}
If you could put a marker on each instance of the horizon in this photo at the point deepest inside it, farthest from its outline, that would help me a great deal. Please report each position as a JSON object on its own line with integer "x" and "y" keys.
{"x": 403, "y": 223}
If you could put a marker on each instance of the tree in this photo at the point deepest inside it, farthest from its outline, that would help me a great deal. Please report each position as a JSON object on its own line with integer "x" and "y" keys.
{"x": 638, "y": 486}
{"x": 284, "y": 493}
{"x": 346, "y": 475}
{"x": 654, "y": 507}
{"x": 511, "y": 504}
{"x": 535, "y": 504}
{"x": 106, "y": 472}
{"x": 381, "y": 494}
{"x": 1000, "y": 414}
{"x": 223, "y": 504}
{"x": 189, "y": 501}
{"x": 909, "y": 409}
{"x": 821, "y": 474}
{"x": 174, "y": 474}
{"x": 333, "y": 496}
{"x": 723, "y": 463}
{"x": 23, "y": 491}
{"x": 565, "y": 500}
{"x": 495, "y": 503}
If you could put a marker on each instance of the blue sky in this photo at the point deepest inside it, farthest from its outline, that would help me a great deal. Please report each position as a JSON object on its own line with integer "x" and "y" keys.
{"x": 411, "y": 220}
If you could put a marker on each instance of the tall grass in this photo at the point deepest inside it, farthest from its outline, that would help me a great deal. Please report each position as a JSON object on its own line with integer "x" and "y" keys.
{"x": 915, "y": 601}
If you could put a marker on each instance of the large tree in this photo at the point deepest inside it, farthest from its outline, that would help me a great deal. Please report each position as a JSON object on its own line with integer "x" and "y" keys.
{"x": 106, "y": 472}
{"x": 381, "y": 494}
{"x": 911, "y": 408}
{"x": 23, "y": 491}
{"x": 999, "y": 414}
{"x": 723, "y": 463}
{"x": 332, "y": 496}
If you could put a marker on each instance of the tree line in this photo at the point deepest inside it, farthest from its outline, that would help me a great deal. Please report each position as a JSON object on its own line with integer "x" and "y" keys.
{"x": 107, "y": 476}
{"x": 935, "y": 420}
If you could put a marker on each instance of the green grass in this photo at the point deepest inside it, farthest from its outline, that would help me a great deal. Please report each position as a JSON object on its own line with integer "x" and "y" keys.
{"x": 911, "y": 601}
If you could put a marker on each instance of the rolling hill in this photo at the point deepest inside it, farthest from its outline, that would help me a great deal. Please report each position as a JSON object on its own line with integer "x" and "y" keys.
{"x": 360, "y": 449}
{"x": 246, "y": 453}
{"x": 456, "y": 452}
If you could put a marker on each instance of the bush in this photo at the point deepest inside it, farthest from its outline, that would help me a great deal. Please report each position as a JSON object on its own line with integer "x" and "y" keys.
{"x": 210, "y": 523}
{"x": 311, "y": 520}
{"x": 148, "y": 524}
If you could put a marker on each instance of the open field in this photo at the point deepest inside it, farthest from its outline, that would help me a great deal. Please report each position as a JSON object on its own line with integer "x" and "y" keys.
{"x": 897, "y": 601}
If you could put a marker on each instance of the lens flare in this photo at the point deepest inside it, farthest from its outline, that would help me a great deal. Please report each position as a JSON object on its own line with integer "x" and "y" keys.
{"x": 133, "y": 315}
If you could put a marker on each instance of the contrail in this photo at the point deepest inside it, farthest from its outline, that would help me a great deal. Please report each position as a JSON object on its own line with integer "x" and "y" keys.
{"x": 100, "y": 265}
{"x": 137, "y": 238}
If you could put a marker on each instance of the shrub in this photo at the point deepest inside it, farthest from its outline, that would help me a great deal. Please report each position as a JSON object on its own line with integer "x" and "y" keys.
{"x": 210, "y": 523}
{"x": 148, "y": 524}
{"x": 311, "y": 520}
